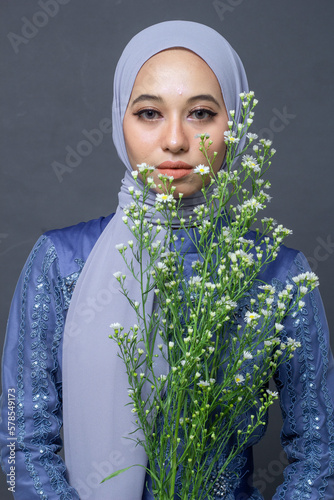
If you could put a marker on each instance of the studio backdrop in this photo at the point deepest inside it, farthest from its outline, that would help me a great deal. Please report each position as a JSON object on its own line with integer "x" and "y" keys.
{"x": 59, "y": 166}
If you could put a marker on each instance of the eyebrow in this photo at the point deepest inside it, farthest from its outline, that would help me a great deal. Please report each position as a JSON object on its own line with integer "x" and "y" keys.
{"x": 200, "y": 97}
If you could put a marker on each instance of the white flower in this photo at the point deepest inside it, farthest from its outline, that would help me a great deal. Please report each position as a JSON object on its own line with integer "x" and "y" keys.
{"x": 203, "y": 383}
{"x": 118, "y": 275}
{"x": 251, "y": 163}
{"x": 116, "y": 326}
{"x": 165, "y": 176}
{"x": 265, "y": 313}
{"x": 120, "y": 247}
{"x": 162, "y": 267}
{"x": 247, "y": 355}
{"x": 140, "y": 351}
{"x": 164, "y": 198}
{"x": 251, "y": 137}
{"x": 134, "y": 174}
{"x": 252, "y": 204}
{"x": 195, "y": 280}
{"x": 204, "y": 136}
{"x": 143, "y": 167}
{"x": 267, "y": 288}
{"x": 278, "y": 327}
{"x": 266, "y": 142}
{"x": 202, "y": 169}
{"x": 251, "y": 317}
{"x": 239, "y": 379}
{"x": 292, "y": 343}
{"x": 163, "y": 378}
{"x": 233, "y": 257}
{"x": 308, "y": 277}
{"x": 230, "y": 137}
{"x": 156, "y": 244}
{"x": 171, "y": 345}
{"x": 274, "y": 394}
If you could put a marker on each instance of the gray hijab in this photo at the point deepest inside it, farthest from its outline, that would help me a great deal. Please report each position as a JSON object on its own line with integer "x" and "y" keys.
{"x": 96, "y": 415}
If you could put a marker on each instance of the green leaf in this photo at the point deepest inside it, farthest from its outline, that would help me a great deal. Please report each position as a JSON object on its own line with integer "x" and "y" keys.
{"x": 118, "y": 472}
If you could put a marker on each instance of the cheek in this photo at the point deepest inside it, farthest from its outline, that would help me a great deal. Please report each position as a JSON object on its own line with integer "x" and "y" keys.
{"x": 139, "y": 143}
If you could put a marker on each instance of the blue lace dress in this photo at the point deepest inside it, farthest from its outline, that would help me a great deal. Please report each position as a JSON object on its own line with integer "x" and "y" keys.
{"x": 32, "y": 378}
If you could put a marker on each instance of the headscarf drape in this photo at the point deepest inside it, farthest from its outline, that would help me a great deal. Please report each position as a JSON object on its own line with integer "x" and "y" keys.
{"x": 96, "y": 415}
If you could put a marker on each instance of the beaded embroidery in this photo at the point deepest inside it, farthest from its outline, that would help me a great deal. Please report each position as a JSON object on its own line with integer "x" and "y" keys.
{"x": 225, "y": 484}
{"x": 312, "y": 440}
{"x": 68, "y": 283}
{"x": 20, "y": 381}
{"x": 52, "y": 464}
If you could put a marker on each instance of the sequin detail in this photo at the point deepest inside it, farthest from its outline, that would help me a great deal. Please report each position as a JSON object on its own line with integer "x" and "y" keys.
{"x": 68, "y": 283}
{"x": 225, "y": 484}
{"x": 20, "y": 380}
{"x": 40, "y": 381}
{"x": 307, "y": 471}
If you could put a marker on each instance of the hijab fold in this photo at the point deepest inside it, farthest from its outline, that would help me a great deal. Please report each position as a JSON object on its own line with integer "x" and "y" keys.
{"x": 96, "y": 412}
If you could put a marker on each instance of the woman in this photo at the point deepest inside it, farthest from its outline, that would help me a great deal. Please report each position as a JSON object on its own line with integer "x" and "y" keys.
{"x": 174, "y": 80}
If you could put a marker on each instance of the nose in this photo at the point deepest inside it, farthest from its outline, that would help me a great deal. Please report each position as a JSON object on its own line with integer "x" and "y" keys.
{"x": 174, "y": 136}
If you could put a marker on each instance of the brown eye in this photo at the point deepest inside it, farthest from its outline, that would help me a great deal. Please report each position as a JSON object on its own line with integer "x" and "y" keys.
{"x": 147, "y": 114}
{"x": 203, "y": 114}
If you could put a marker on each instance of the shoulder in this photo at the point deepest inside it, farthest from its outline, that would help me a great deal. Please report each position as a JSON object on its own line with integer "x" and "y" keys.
{"x": 73, "y": 244}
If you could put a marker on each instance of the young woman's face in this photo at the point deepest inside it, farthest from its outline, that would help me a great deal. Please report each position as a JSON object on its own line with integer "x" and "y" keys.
{"x": 175, "y": 97}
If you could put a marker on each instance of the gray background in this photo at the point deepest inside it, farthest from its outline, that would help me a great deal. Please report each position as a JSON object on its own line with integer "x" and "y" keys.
{"x": 57, "y": 82}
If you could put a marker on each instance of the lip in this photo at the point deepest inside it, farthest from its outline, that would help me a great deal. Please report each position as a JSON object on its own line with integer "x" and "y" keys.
{"x": 176, "y": 169}
{"x": 174, "y": 164}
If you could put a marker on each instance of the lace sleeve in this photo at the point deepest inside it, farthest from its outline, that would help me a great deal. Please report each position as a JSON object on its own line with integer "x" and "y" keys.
{"x": 306, "y": 386}
{"x": 31, "y": 377}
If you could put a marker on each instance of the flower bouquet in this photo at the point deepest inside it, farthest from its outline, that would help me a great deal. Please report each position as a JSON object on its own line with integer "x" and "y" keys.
{"x": 198, "y": 365}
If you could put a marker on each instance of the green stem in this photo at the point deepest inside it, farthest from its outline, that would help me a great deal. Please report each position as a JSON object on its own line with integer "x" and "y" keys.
{"x": 175, "y": 445}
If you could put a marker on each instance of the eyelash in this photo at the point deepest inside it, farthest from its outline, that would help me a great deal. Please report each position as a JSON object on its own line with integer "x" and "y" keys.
{"x": 140, "y": 114}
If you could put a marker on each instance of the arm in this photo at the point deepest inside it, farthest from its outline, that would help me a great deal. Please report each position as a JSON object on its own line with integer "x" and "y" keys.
{"x": 306, "y": 385}
{"x": 31, "y": 376}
